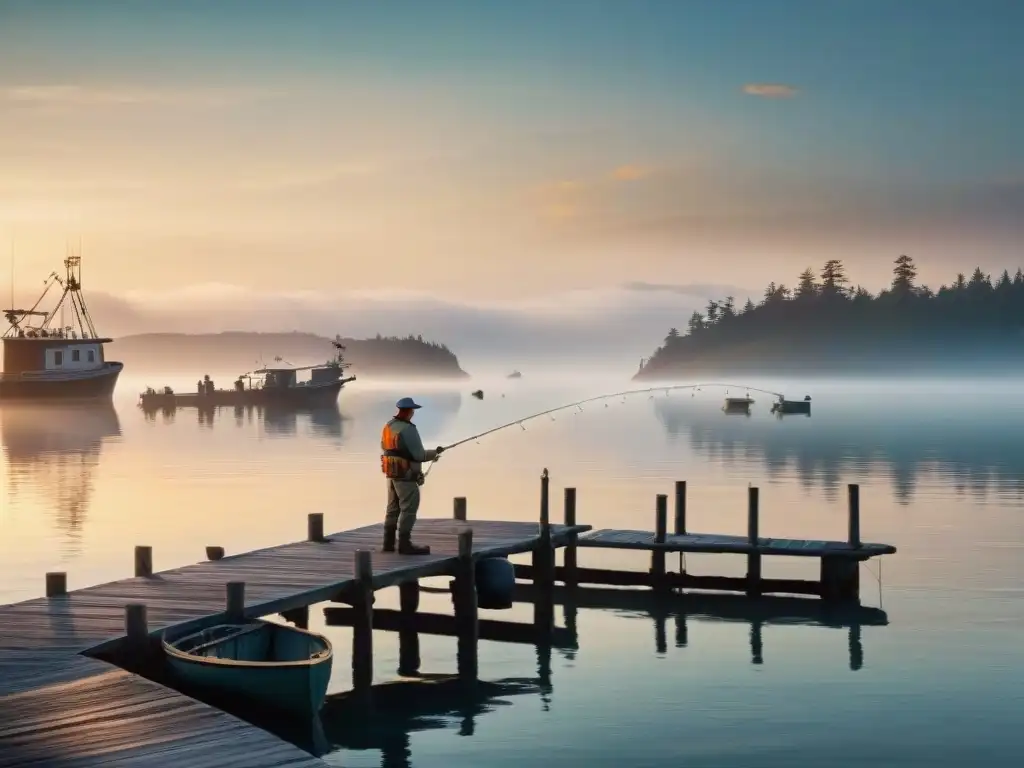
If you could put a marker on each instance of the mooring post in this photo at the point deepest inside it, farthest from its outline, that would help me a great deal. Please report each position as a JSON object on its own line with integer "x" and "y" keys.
{"x": 543, "y": 565}
{"x": 297, "y": 616}
{"x": 569, "y": 557}
{"x": 136, "y": 625}
{"x": 144, "y": 561}
{"x": 853, "y": 510}
{"x": 315, "y": 526}
{"x": 235, "y": 593}
{"x": 680, "y": 526}
{"x": 362, "y": 625}
{"x": 56, "y": 584}
{"x": 408, "y": 636}
{"x": 658, "y": 580}
{"x": 214, "y": 553}
{"x": 753, "y": 557}
{"x": 459, "y": 508}
{"x": 466, "y": 609}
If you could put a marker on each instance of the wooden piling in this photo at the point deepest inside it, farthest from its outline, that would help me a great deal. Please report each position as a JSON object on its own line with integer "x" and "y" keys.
{"x": 753, "y": 558}
{"x": 853, "y": 515}
{"x": 144, "y": 561}
{"x": 680, "y": 522}
{"x": 235, "y": 603}
{"x": 459, "y": 508}
{"x": 569, "y": 557}
{"x": 297, "y": 616}
{"x": 466, "y": 608}
{"x": 408, "y": 633}
{"x": 56, "y": 584}
{"x": 136, "y": 624}
{"x": 362, "y": 627}
{"x": 660, "y": 533}
{"x": 315, "y": 526}
{"x": 215, "y": 553}
{"x": 544, "y": 563}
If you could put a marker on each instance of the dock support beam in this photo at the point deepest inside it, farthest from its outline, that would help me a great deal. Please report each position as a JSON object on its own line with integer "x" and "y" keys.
{"x": 144, "y": 561}
{"x": 853, "y": 515}
{"x": 840, "y": 578}
{"x": 56, "y": 584}
{"x": 408, "y": 636}
{"x": 753, "y": 558}
{"x": 569, "y": 556}
{"x": 466, "y": 609}
{"x": 362, "y": 626}
{"x": 544, "y": 565}
{"x": 660, "y": 532}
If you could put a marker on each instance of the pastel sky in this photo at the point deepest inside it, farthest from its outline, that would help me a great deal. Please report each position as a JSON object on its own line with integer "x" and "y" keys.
{"x": 505, "y": 151}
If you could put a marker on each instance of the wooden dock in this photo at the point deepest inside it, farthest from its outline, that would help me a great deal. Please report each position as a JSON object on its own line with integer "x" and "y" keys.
{"x": 62, "y": 704}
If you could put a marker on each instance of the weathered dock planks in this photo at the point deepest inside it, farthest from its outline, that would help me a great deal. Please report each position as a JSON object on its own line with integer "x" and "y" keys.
{"x": 61, "y": 708}
{"x": 110, "y": 717}
{"x": 723, "y": 544}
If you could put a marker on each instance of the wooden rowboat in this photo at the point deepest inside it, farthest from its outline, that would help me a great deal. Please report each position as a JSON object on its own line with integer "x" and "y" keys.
{"x": 276, "y": 666}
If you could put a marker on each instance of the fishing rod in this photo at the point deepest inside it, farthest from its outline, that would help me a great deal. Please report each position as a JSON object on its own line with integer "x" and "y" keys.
{"x": 597, "y": 398}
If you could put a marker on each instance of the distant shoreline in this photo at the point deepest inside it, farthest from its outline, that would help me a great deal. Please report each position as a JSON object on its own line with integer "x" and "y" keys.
{"x": 383, "y": 357}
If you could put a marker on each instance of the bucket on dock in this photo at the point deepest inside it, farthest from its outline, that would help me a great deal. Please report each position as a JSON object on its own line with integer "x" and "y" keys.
{"x": 495, "y": 583}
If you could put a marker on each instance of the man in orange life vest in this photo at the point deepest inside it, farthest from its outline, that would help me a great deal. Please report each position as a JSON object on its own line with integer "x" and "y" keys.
{"x": 402, "y": 456}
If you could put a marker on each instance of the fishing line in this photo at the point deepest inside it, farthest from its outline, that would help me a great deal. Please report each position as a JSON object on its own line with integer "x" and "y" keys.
{"x": 597, "y": 398}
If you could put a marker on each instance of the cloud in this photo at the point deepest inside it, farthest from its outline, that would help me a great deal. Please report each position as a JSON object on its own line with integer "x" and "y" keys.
{"x": 631, "y": 172}
{"x": 619, "y": 323}
{"x": 561, "y": 200}
{"x": 770, "y": 90}
{"x": 67, "y": 95}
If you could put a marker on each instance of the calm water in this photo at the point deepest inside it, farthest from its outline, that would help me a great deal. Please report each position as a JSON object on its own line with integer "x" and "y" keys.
{"x": 700, "y": 683}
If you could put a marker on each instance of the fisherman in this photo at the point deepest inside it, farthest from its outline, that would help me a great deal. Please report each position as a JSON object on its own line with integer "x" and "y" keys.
{"x": 402, "y": 456}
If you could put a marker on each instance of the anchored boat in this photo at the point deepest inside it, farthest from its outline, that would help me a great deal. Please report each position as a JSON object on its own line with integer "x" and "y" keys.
{"x": 279, "y": 667}
{"x": 266, "y": 386}
{"x": 44, "y": 360}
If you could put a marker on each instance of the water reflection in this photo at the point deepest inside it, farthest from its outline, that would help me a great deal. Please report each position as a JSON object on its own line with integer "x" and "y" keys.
{"x": 973, "y": 448}
{"x": 277, "y": 421}
{"x": 53, "y": 450}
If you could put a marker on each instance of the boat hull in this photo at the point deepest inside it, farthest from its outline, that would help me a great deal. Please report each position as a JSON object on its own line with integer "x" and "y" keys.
{"x": 307, "y": 396}
{"x": 61, "y": 385}
{"x": 293, "y": 686}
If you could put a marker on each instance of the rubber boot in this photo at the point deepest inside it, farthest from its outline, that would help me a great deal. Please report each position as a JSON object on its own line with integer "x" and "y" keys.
{"x": 406, "y": 547}
{"x": 390, "y": 532}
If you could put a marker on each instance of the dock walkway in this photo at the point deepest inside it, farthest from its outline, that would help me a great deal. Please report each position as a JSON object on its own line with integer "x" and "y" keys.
{"x": 59, "y": 707}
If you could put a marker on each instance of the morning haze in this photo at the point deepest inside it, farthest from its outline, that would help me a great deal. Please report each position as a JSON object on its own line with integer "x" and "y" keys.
{"x": 325, "y": 236}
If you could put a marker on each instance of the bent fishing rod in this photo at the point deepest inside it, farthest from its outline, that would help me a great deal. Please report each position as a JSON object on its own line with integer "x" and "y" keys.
{"x": 597, "y": 398}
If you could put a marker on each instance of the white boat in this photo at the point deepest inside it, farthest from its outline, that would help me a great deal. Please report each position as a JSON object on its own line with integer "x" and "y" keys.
{"x": 277, "y": 666}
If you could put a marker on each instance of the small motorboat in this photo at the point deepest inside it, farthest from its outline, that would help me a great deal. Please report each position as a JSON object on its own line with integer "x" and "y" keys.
{"x": 783, "y": 406}
{"x": 279, "y": 667}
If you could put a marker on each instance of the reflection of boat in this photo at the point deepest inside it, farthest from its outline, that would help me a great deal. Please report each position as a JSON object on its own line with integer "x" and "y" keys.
{"x": 279, "y": 387}
{"x": 279, "y": 667}
{"x": 43, "y": 362}
{"x": 54, "y": 449}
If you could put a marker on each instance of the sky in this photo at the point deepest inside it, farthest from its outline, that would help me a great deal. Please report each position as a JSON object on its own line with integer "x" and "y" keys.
{"x": 608, "y": 159}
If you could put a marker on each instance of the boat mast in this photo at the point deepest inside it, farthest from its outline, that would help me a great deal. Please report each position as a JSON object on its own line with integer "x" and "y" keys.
{"x": 72, "y": 284}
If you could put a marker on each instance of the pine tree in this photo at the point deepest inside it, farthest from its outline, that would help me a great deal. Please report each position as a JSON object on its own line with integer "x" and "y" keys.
{"x": 807, "y": 286}
{"x": 904, "y": 275}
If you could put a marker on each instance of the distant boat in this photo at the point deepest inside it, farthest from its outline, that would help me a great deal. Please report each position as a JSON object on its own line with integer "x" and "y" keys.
{"x": 514, "y": 375}
{"x": 44, "y": 360}
{"x": 737, "y": 405}
{"x": 279, "y": 667}
{"x": 266, "y": 386}
{"x": 783, "y": 406}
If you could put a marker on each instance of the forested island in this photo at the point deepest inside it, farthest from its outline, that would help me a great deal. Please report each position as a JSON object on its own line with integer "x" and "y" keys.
{"x": 824, "y": 325}
{"x": 239, "y": 351}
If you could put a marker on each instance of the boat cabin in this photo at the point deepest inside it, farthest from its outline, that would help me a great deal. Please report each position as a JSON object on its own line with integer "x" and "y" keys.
{"x": 35, "y": 351}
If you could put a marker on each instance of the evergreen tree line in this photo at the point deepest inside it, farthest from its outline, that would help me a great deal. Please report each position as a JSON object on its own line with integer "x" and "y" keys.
{"x": 403, "y": 352}
{"x": 827, "y": 306}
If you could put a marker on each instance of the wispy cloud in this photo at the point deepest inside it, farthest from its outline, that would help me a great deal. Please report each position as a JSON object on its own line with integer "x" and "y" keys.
{"x": 771, "y": 90}
{"x": 561, "y": 200}
{"x": 68, "y": 95}
{"x": 631, "y": 172}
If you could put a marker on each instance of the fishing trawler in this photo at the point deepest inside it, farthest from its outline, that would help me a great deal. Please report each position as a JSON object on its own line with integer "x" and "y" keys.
{"x": 278, "y": 386}
{"x": 48, "y": 361}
